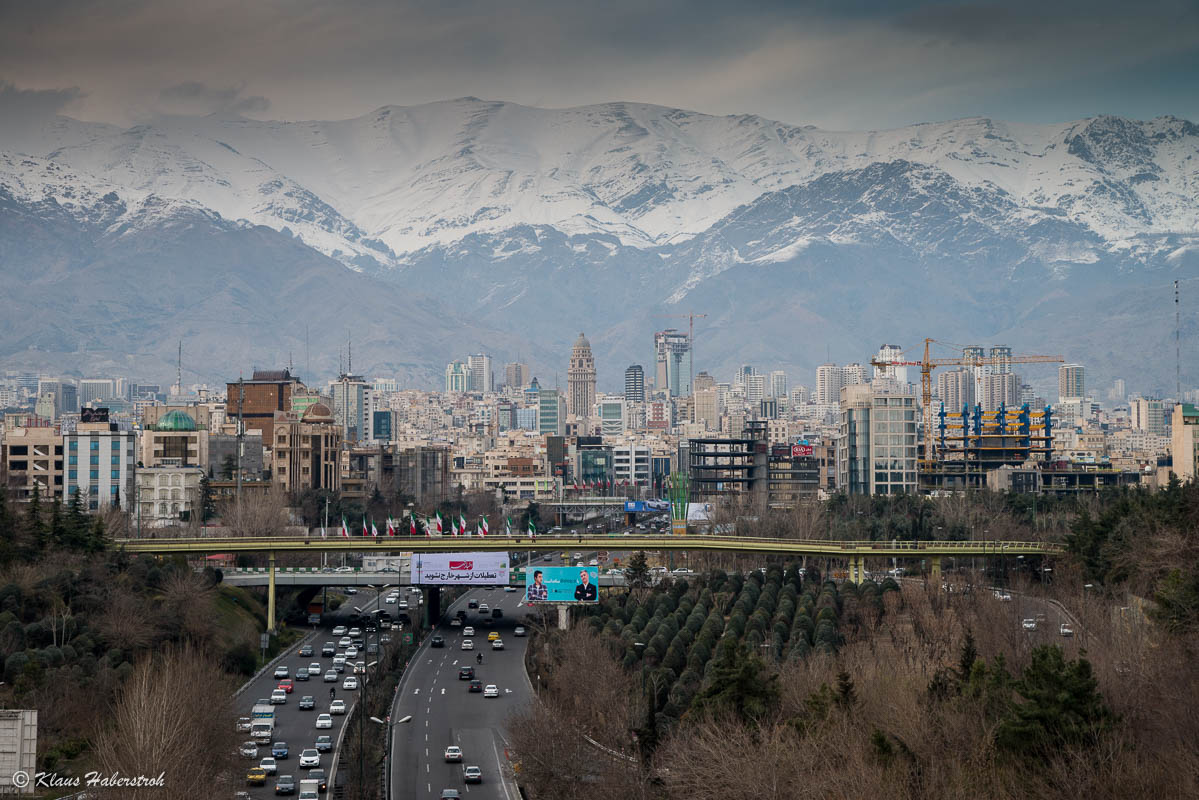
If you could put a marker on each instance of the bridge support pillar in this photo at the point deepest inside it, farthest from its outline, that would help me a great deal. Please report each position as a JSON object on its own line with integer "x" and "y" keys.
{"x": 935, "y": 568}
{"x": 563, "y": 617}
{"x": 432, "y": 607}
{"x": 270, "y": 593}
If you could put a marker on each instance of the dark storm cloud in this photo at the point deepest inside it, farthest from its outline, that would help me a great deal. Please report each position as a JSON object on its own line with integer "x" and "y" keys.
{"x": 37, "y": 103}
{"x": 851, "y": 63}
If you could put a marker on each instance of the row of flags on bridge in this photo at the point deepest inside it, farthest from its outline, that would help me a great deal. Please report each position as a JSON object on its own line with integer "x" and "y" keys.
{"x": 435, "y": 526}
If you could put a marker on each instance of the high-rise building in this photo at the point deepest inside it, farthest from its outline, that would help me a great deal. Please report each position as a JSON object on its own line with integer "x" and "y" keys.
{"x": 704, "y": 381}
{"x": 891, "y": 352}
{"x": 100, "y": 461}
{"x": 1001, "y": 359}
{"x": 353, "y": 404}
{"x": 34, "y": 457}
{"x": 1184, "y": 441}
{"x": 955, "y": 387}
{"x": 634, "y": 384}
{"x": 551, "y": 412}
{"x": 95, "y": 389}
{"x": 479, "y": 374}
{"x": 829, "y": 380}
{"x": 457, "y": 377}
{"x": 580, "y": 379}
{"x": 516, "y": 375}
{"x": 778, "y": 384}
{"x": 876, "y": 443}
{"x": 1118, "y": 391}
{"x": 672, "y": 355}
{"x": 799, "y": 396}
{"x": 65, "y": 395}
{"x": 755, "y": 388}
{"x": 306, "y": 450}
{"x": 1071, "y": 381}
{"x": 611, "y": 414}
{"x": 707, "y": 407}
{"x": 265, "y": 393}
{"x": 1000, "y": 389}
{"x": 744, "y": 372}
{"x": 1148, "y": 415}
{"x": 853, "y": 374}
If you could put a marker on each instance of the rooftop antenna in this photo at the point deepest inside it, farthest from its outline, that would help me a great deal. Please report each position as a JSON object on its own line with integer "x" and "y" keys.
{"x": 307, "y": 355}
{"x": 1177, "y": 347}
{"x": 179, "y": 361}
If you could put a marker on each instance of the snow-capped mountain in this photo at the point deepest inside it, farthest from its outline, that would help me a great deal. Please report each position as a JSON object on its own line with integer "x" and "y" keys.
{"x": 609, "y": 214}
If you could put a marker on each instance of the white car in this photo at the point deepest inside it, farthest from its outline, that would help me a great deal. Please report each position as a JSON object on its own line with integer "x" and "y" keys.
{"x": 484, "y": 608}
{"x": 309, "y": 758}
{"x": 248, "y": 750}
{"x": 340, "y": 630}
{"x": 456, "y": 623}
{"x": 453, "y": 753}
{"x": 498, "y": 644}
{"x": 519, "y": 631}
{"x": 468, "y": 631}
{"x": 491, "y": 690}
{"x": 390, "y": 599}
{"x": 270, "y": 765}
{"x": 344, "y": 641}
{"x": 350, "y": 683}
{"x": 244, "y": 724}
{"x": 509, "y": 588}
{"x": 331, "y": 676}
{"x": 314, "y": 668}
{"x": 278, "y": 697}
{"x": 467, "y": 644}
{"x": 337, "y": 707}
{"x": 324, "y": 721}
{"x": 1065, "y": 630}
{"x": 1029, "y": 624}
{"x": 351, "y": 652}
{"x": 280, "y": 671}
{"x": 1003, "y": 597}
{"x": 354, "y": 633}
{"x": 593, "y": 562}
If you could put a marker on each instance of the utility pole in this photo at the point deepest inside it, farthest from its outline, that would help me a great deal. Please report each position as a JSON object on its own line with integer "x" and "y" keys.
{"x": 241, "y": 404}
{"x": 1177, "y": 347}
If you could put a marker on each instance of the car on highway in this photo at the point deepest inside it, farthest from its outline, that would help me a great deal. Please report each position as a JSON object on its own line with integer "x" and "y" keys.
{"x": 1003, "y": 597}
{"x": 491, "y": 690}
{"x": 278, "y": 697}
{"x": 472, "y": 774}
{"x": 248, "y": 750}
{"x": 344, "y": 569}
{"x": 285, "y": 784}
{"x": 484, "y": 608}
{"x": 578, "y": 556}
{"x": 350, "y": 683}
{"x": 351, "y": 652}
{"x": 331, "y": 676}
{"x": 256, "y": 776}
{"x": 309, "y": 758}
{"x": 491, "y": 637}
{"x": 339, "y": 663}
{"x": 578, "y": 563}
{"x": 324, "y": 721}
{"x": 354, "y": 633}
{"x": 466, "y": 673}
{"x": 593, "y": 562}
{"x": 468, "y": 631}
{"x": 437, "y": 641}
{"x": 453, "y": 753}
{"x": 359, "y": 667}
{"x": 337, "y": 707}
{"x": 270, "y": 765}
{"x": 519, "y": 631}
{"x": 314, "y": 668}
{"x": 1065, "y": 630}
{"x": 497, "y": 613}
{"x": 345, "y": 641}
{"x": 1029, "y": 624}
{"x": 350, "y": 589}
{"x": 324, "y": 744}
{"x": 475, "y": 686}
{"x": 306, "y": 651}
{"x": 318, "y": 775}
{"x": 509, "y": 588}
{"x": 286, "y": 685}
{"x": 472, "y": 603}
{"x": 279, "y": 750}
{"x": 307, "y": 703}
{"x": 302, "y": 674}
{"x": 328, "y": 649}
{"x": 281, "y": 671}
{"x": 467, "y": 644}
{"x": 497, "y": 644}
{"x": 244, "y": 724}
{"x": 450, "y": 794}
{"x": 456, "y": 622}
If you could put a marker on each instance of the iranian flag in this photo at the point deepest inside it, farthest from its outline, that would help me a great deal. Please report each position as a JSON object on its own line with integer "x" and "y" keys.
{"x": 412, "y": 529}
{"x": 391, "y": 528}
{"x": 532, "y": 530}
{"x": 483, "y": 529}
{"x": 345, "y": 530}
{"x": 508, "y": 527}
{"x": 462, "y": 523}
{"x": 439, "y": 530}
{"x": 365, "y": 531}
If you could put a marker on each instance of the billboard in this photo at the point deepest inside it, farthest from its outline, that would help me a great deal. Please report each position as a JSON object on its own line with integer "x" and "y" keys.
{"x": 801, "y": 450}
{"x": 460, "y": 569}
{"x": 562, "y": 585}
{"x": 18, "y": 750}
{"x": 699, "y": 512}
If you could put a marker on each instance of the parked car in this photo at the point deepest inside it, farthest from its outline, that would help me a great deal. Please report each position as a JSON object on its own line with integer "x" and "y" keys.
{"x": 453, "y": 753}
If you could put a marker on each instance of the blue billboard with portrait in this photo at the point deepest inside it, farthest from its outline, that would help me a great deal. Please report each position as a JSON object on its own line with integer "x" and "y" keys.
{"x": 562, "y": 585}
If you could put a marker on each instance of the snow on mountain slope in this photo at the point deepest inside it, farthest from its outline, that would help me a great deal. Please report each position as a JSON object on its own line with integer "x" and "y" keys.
{"x": 403, "y": 179}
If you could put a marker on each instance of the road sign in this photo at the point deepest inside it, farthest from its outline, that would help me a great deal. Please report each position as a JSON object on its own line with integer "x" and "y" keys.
{"x": 407, "y": 638}
{"x": 264, "y": 641}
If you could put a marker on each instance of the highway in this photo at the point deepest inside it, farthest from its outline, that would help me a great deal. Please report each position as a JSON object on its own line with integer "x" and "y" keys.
{"x": 296, "y": 727}
{"x": 444, "y": 712}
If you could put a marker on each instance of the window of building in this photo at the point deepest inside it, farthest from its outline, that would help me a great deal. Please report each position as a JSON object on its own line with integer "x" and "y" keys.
{"x": 73, "y": 445}
{"x": 116, "y": 475}
{"x": 115, "y": 461}
{"x": 116, "y": 444}
{"x": 73, "y": 474}
{"x": 95, "y": 475}
{"x": 73, "y": 460}
{"x": 95, "y": 444}
{"x": 94, "y": 460}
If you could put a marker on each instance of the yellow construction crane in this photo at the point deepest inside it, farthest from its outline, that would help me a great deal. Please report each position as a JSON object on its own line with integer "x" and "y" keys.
{"x": 926, "y": 381}
{"x": 691, "y": 318}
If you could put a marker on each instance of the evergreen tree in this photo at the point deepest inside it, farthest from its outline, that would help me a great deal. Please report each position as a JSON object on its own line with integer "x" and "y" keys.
{"x": 97, "y": 539}
{"x": 58, "y": 531}
{"x": 228, "y": 467}
{"x": 636, "y": 571}
{"x": 1062, "y": 706}
{"x": 207, "y": 503}
{"x": 8, "y": 529}
{"x": 966, "y": 658}
{"x": 35, "y": 526}
{"x": 740, "y": 684}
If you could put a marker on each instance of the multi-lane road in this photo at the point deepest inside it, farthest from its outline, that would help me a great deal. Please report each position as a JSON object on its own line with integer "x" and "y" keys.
{"x": 295, "y": 727}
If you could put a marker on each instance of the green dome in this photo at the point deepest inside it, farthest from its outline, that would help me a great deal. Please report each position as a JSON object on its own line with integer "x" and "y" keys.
{"x": 176, "y": 421}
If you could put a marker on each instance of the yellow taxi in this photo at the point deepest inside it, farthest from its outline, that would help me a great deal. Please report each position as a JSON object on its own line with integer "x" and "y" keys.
{"x": 491, "y": 637}
{"x": 256, "y": 776}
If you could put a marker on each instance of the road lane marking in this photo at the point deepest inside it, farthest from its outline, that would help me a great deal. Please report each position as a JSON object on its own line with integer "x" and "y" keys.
{"x": 442, "y": 691}
{"x": 416, "y": 690}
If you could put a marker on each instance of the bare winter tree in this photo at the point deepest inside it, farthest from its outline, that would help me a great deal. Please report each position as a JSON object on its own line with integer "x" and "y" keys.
{"x": 173, "y": 716}
{"x": 259, "y": 516}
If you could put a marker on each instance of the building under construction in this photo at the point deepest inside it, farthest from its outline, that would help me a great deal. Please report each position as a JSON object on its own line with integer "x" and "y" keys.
{"x": 969, "y": 443}
{"x": 779, "y": 476}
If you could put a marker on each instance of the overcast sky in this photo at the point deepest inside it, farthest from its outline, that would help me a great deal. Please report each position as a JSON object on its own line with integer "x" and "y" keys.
{"x": 842, "y": 64}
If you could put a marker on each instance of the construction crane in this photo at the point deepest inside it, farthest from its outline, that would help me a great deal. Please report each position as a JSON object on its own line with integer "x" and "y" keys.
{"x": 690, "y": 341}
{"x": 926, "y": 382}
